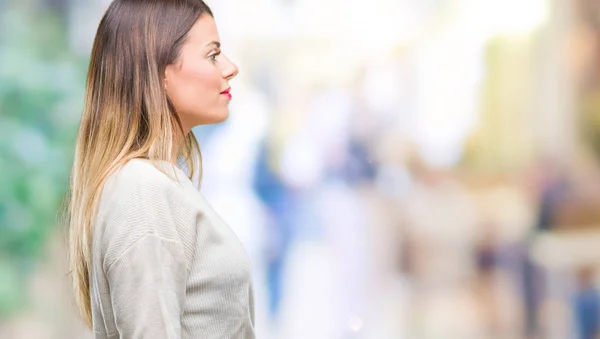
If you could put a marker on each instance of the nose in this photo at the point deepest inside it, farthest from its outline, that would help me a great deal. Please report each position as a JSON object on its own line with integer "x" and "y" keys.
{"x": 230, "y": 71}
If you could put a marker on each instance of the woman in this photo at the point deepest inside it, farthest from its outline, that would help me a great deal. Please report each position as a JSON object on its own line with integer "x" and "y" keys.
{"x": 149, "y": 257}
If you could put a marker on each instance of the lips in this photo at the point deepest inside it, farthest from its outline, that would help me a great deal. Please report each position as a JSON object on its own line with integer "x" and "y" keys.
{"x": 226, "y": 93}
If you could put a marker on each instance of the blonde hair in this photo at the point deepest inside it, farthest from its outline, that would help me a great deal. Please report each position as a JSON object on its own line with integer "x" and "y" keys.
{"x": 126, "y": 114}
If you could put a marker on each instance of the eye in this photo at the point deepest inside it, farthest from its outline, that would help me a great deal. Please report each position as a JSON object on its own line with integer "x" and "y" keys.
{"x": 213, "y": 57}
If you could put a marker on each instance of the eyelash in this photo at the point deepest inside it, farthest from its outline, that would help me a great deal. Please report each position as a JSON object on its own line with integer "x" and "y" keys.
{"x": 213, "y": 57}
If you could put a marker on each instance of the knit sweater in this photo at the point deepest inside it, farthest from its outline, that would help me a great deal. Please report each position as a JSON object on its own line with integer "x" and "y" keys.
{"x": 164, "y": 265}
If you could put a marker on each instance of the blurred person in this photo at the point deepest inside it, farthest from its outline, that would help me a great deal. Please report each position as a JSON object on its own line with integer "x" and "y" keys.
{"x": 442, "y": 224}
{"x": 506, "y": 214}
{"x": 487, "y": 262}
{"x": 586, "y": 305}
{"x": 553, "y": 188}
{"x": 278, "y": 199}
{"x": 149, "y": 257}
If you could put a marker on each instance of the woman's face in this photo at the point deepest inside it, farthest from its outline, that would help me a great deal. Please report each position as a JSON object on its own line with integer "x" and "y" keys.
{"x": 198, "y": 82}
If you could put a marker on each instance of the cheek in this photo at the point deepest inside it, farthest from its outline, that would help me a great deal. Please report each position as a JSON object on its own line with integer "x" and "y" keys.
{"x": 205, "y": 78}
{"x": 195, "y": 87}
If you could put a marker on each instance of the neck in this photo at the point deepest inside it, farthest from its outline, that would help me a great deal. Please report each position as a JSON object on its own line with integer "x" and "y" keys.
{"x": 178, "y": 140}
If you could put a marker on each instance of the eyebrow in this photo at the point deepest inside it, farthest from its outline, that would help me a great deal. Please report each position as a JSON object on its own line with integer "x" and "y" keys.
{"x": 216, "y": 43}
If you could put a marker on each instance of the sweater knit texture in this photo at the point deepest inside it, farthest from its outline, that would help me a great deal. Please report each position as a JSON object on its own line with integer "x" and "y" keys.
{"x": 164, "y": 265}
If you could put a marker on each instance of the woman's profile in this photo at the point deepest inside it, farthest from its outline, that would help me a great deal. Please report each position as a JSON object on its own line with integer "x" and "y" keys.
{"x": 149, "y": 257}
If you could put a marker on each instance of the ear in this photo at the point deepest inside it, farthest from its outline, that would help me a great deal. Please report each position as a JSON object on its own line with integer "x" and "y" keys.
{"x": 168, "y": 75}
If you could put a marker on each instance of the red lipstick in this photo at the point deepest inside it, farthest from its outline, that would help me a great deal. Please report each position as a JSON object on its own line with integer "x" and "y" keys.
{"x": 226, "y": 92}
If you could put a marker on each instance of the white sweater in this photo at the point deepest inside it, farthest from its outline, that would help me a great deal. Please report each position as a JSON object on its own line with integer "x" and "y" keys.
{"x": 164, "y": 265}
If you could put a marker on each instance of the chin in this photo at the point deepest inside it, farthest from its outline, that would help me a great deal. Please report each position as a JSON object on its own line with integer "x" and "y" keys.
{"x": 214, "y": 117}
{"x": 223, "y": 117}
{"x": 217, "y": 118}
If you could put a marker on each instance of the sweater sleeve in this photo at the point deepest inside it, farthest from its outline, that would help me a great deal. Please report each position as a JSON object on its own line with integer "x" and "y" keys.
{"x": 148, "y": 285}
{"x": 144, "y": 252}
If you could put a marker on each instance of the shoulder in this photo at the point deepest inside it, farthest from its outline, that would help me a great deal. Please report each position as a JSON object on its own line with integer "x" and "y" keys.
{"x": 141, "y": 174}
{"x": 141, "y": 181}
{"x": 143, "y": 184}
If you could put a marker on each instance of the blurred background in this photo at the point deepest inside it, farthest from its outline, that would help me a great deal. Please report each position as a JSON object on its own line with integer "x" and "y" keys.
{"x": 395, "y": 168}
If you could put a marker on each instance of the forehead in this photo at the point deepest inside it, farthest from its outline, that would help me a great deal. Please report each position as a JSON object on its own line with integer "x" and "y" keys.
{"x": 203, "y": 31}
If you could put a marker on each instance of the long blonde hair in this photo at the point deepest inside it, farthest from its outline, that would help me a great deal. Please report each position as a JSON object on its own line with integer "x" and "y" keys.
{"x": 126, "y": 114}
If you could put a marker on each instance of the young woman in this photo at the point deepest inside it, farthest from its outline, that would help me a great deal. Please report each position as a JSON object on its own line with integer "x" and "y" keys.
{"x": 149, "y": 257}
